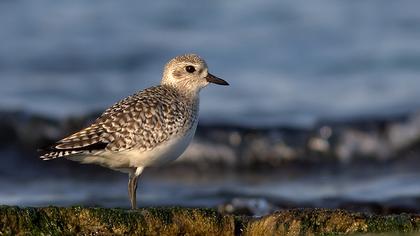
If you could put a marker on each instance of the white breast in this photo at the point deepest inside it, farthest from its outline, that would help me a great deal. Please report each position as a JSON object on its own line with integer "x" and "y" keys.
{"x": 165, "y": 152}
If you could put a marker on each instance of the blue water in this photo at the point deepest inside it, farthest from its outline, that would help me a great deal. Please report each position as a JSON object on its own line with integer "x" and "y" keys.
{"x": 322, "y": 187}
{"x": 288, "y": 62}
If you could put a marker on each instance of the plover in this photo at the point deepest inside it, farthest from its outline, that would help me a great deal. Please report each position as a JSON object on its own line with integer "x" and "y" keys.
{"x": 151, "y": 127}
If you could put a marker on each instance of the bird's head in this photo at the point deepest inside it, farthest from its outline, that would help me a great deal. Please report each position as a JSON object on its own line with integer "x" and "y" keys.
{"x": 189, "y": 73}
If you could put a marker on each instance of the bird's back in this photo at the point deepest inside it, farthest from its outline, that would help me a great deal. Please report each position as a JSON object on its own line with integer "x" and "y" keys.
{"x": 141, "y": 122}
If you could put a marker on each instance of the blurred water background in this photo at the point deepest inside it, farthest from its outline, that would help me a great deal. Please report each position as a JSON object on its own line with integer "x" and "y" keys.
{"x": 321, "y": 110}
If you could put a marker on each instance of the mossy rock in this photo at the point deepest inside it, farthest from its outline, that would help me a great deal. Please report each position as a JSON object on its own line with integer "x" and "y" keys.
{"x": 332, "y": 222}
{"x": 190, "y": 221}
{"x": 100, "y": 221}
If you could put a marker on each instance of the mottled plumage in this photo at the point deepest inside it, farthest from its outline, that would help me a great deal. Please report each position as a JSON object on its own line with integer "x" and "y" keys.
{"x": 141, "y": 121}
{"x": 151, "y": 127}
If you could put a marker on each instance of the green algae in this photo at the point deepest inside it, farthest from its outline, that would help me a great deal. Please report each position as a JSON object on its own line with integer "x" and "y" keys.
{"x": 197, "y": 221}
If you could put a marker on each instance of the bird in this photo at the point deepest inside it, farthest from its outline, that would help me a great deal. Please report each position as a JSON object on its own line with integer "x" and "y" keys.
{"x": 149, "y": 128}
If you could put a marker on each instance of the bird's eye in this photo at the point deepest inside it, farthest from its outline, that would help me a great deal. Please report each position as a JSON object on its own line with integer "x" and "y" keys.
{"x": 190, "y": 69}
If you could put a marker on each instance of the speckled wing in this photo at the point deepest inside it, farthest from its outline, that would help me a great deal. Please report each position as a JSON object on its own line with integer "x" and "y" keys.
{"x": 140, "y": 121}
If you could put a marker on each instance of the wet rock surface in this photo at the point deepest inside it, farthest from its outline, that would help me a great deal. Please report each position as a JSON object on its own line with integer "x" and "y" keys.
{"x": 181, "y": 221}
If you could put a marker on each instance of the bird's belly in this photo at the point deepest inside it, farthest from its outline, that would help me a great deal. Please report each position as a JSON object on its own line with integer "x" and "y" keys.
{"x": 161, "y": 154}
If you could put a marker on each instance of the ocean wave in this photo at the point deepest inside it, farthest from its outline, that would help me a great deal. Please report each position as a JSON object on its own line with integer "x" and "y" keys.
{"x": 237, "y": 146}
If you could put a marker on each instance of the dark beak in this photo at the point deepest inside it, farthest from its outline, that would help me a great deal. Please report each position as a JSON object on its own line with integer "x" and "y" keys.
{"x": 213, "y": 79}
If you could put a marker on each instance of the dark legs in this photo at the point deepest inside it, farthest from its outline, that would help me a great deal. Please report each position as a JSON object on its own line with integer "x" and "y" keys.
{"x": 132, "y": 186}
{"x": 132, "y": 189}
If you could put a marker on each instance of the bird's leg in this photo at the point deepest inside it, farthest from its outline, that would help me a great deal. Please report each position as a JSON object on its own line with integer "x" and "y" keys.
{"x": 132, "y": 190}
{"x": 132, "y": 186}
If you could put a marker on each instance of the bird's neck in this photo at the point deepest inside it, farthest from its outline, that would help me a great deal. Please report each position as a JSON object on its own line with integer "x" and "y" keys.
{"x": 189, "y": 95}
